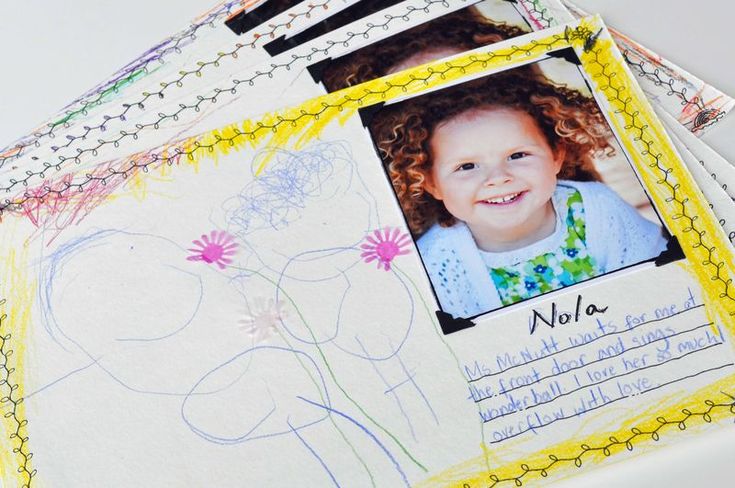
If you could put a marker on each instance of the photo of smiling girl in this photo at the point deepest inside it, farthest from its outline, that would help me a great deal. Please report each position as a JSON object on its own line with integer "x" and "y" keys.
{"x": 496, "y": 178}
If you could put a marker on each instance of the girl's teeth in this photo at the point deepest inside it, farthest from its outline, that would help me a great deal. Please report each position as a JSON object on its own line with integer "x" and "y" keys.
{"x": 505, "y": 199}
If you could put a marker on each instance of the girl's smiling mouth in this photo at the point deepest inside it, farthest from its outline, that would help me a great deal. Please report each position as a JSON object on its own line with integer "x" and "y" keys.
{"x": 503, "y": 200}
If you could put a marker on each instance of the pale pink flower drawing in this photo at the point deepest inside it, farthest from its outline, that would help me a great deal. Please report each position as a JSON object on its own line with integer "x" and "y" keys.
{"x": 383, "y": 245}
{"x": 216, "y": 248}
{"x": 263, "y": 319}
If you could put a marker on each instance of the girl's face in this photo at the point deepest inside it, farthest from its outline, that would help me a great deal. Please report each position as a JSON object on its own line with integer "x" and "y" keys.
{"x": 494, "y": 169}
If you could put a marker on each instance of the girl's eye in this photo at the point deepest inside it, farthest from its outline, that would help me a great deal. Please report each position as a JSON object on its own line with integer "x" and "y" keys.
{"x": 466, "y": 166}
{"x": 517, "y": 155}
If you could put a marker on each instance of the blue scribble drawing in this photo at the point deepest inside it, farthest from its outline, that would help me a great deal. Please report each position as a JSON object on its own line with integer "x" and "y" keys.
{"x": 256, "y": 407}
{"x": 65, "y": 263}
{"x": 292, "y": 281}
{"x": 313, "y": 452}
{"x": 59, "y": 380}
{"x": 372, "y": 436}
{"x": 399, "y": 328}
{"x": 297, "y": 194}
{"x": 319, "y": 265}
{"x": 116, "y": 378}
{"x": 411, "y": 377}
{"x": 54, "y": 269}
{"x": 60, "y": 269}
{"x": 183, "y": 325}
{"x": 293, "y": 180}
{"x": 390, "y": 391}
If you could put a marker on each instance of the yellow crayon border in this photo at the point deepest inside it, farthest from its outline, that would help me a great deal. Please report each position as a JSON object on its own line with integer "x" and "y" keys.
{"x": 684, "y": 209}
{"x": 15, "y": 454}
{"x": 16, "y": 460}
{"x": 645, "y": 428}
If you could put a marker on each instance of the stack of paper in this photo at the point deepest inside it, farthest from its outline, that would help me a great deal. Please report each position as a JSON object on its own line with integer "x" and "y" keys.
{"x": 367, "y": 243}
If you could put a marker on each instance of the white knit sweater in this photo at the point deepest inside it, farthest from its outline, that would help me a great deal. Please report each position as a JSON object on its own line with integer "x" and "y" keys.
{"x": 616, "y": 236}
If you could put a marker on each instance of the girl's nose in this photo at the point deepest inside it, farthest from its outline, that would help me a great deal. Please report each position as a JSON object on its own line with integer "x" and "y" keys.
{"x": 498, "y": 175}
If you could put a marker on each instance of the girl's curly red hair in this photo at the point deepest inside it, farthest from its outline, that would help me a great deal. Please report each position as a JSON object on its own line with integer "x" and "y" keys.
{"x": 461, "y": 30}
{"x": 570, "y": 121}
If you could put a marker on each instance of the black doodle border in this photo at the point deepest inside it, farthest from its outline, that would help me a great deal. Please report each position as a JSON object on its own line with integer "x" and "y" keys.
{"x": 618, "y": 95}
{"x": 536, "y": 8}
{"x": 9, "y": 399}
{"x": 636, "y": 434}
{"x": 190, "y": 33}
{"x": 705, "y": 117}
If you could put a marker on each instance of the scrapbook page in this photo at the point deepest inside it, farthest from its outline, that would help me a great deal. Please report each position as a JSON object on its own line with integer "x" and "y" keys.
{"x": 701, "y": 160}
{"x": 695, "y": 104}
{"x": 483, "y": 270}
{"x": 718, "y": 167}
{"x": 688, "y": 107}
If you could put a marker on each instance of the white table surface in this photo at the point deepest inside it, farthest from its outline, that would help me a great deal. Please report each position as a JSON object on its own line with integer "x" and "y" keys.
{"x": 53, "y": 51}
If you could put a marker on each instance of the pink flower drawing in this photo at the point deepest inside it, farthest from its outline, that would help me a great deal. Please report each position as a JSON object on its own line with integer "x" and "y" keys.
{"x": 384, "y": 245}
{"x": 263, "y": 319}
{"x": 215, "y": 248}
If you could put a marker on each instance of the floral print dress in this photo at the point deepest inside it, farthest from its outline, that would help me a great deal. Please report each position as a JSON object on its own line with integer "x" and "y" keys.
{"x": 568, "y": 263}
